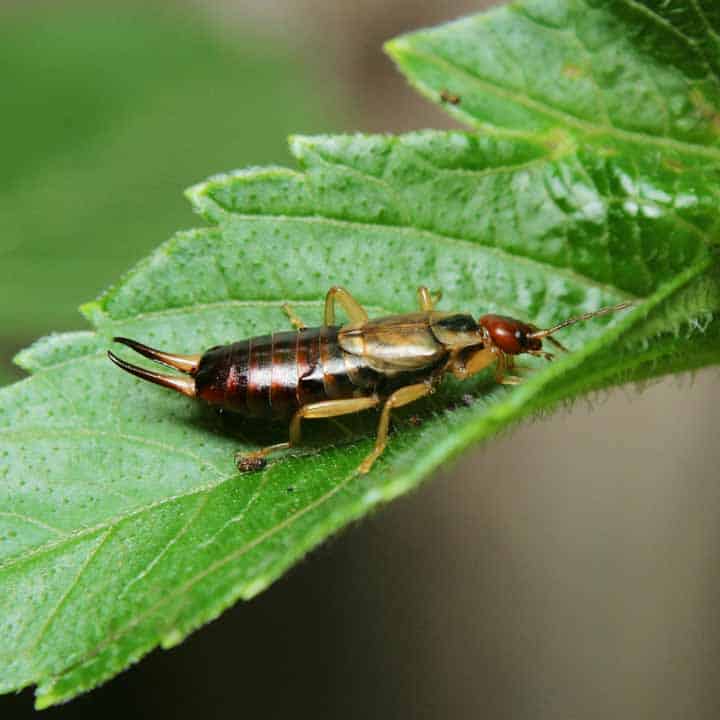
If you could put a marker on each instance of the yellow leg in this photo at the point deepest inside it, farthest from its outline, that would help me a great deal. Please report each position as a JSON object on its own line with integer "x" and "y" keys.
{"x": 349, "y": 304}
{"x": 477, "y": 362}
{"x": 400, "y": 397}
{"x": 294, "y": 319}
{"x": 505, "y": 362}
{"x": 330, "y": 408}
{"x": 543, "y": 354}
{"x": 427, "y": 299}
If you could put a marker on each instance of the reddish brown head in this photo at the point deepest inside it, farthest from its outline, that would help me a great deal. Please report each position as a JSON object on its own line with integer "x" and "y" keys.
{"x": 510, "y": 335}
{"x": 514, "y": 336}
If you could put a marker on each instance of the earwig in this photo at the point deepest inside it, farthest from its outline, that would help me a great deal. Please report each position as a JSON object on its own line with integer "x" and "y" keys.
{"x": 333, "y": 370}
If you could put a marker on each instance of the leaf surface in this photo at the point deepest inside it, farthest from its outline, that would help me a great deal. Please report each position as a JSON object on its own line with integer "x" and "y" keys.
{"x": 590, "y": 177}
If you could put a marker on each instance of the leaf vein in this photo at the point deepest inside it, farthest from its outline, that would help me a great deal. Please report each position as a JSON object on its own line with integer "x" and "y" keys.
{"x": 166, "y": 548}
{"x": 63, "y": 598}
{"x": 562, "y": 116}
{"x": 705, "y": 21}
{"x": 32, "y": 521}
{"x": 662, "y": 22}
{"x": 213, "y": 567}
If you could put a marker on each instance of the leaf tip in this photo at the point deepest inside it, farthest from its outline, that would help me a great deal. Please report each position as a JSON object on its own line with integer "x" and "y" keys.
{"x": 45, "y": 700}
{"x": 196, "y": 193}
{"x": 397, "y": 48}
{"x": 93, "y": 311}
{"x": 25, "y": 359}
{"x": 172, "y": 638}
{"x": 298, "y": 145}
{"x": 201, "y": 201}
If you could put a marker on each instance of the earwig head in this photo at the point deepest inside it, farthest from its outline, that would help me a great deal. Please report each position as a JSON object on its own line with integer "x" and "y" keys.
{"x": 514, "y": 336}
{"x": 510, "y": 335}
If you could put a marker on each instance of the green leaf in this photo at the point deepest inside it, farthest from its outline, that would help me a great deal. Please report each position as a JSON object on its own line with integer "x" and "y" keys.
{"x": 591, "y": 177}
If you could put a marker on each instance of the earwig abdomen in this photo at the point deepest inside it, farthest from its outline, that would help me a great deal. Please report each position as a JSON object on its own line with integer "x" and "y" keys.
{"x": 272, "y": 376}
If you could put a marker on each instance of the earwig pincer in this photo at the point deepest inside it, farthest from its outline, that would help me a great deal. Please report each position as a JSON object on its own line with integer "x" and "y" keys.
{"x": 332, "y": 370}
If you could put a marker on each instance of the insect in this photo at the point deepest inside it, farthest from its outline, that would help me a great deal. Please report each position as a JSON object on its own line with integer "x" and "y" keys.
{"x": 448, "y": 97}
{"x": 333, "y": 370}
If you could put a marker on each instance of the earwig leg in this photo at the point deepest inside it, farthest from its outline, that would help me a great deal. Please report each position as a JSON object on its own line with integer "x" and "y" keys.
{"x": 427, "y": 299}
{"x": 400, "y": 397}
{"x": 331, "y": 408}
{"x": 349, "y": 304}
{"x": 541, "y": 353}
{"x": 247, "y": 462}
{"x": 294, "y": 319}
{"x": 510, "y": 380}
{"x": 505, "y": 363}
{"x": 328, "y": 409}
{"x": 511, "y": 364}
{"x": 477, "y": 362}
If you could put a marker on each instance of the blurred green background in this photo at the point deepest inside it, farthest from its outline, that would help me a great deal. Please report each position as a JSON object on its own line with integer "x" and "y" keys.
{"x": 568, "y": 570}
{"x": 108, "y": 113}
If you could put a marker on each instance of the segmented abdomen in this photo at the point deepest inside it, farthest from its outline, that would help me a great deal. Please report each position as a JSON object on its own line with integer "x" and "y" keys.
{"x": 271, "y": 376}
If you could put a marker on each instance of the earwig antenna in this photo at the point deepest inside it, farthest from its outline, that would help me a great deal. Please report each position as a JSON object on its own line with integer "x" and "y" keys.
{"x": 183, "y": 385}
{"x": 184, "y": 363}
{"x": 539, "y": 334}
{"x": 557, "y": 344}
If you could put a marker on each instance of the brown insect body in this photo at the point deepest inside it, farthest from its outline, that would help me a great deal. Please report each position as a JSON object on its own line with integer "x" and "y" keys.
{"x": 334, "y": 369}
{"x": 273, "y": 376}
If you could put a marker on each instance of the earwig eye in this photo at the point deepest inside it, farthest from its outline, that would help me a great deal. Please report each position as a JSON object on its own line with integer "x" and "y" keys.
{"x": 522, "y": 339}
